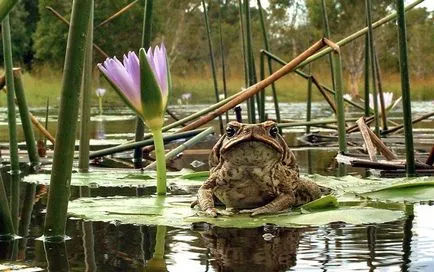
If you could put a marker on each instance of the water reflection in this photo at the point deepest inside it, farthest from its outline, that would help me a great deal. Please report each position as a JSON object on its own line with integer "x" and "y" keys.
{"x": 257, "y": 249}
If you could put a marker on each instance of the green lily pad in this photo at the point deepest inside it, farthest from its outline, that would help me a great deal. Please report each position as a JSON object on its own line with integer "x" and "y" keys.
{"x": 175, "y": 211}
{"x": 121, "y": 178}
{"x": 17, "y": 266}
{"x": 399, "y": 189}
{"x": 321, "y": 203}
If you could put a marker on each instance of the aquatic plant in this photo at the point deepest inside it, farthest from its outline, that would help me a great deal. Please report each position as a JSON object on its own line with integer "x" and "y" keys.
{"x": 389, "y": 104}
{"x": 144, "y": 84}
{"x": 100, "y": 92}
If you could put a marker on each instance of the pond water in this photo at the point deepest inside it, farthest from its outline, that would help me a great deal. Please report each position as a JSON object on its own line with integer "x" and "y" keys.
{"x": 403, "y": 245}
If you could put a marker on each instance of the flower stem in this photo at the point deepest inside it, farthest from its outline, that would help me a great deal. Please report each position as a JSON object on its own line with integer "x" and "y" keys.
{"x": 161, "y": 161}
{"x": 100, "y": 104}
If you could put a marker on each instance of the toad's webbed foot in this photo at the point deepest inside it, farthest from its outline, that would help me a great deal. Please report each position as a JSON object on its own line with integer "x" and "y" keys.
{"x": 213, "y": 212}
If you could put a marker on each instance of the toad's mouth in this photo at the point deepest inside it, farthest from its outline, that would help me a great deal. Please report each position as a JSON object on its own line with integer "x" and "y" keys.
{"x": 252, "y": 143}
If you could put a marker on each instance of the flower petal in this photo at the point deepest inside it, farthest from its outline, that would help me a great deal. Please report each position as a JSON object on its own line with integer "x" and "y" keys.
{"x": 119, "y": 75}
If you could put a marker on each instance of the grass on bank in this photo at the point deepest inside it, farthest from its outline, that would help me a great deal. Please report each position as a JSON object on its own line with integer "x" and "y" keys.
{"x": 291, "y": 88}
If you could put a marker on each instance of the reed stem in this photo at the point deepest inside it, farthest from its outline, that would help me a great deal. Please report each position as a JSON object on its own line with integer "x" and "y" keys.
{"x": 25, "y": 120}
{"x": 405, "y": 85}
{"x": 55, "y": 220}
{"x": 309, "y": 103}
{"x": 337, "y": 65}
{"x": 368, "y": 5}
{"x": 358, "y": 34}
{"x": 250, "y": 63}
{"x": 212, "y": 61}
{"x": 327, "y": 35}
{"x": 270, "y": 66}
{"x": 13, "y": 144}
{"x": 7, "y": 227}
{"x": 366, "y": 71}
{"x": 86, "y": 91}
{"x": 222, "y": 54}
{"x": 146, "y": 43}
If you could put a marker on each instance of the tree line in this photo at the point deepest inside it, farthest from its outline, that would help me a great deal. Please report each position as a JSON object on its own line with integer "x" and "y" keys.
{"x": 39, "y": 38}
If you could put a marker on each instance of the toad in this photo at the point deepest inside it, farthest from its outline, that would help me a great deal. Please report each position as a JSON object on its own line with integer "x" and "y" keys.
{"x": 253, "y": 171}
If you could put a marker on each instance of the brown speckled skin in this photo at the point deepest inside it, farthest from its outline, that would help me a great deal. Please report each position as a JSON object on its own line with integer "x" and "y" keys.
{"x": 254, "y": 172}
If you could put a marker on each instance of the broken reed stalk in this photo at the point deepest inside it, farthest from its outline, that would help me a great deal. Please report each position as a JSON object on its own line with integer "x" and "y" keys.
{"x": 358, "y": 34}
{"x": 118, "y": 13}
{"x": 212, "y": 61}
{"x": 321, "y": 87}
{"x": 270, "y": 66}
{"x": 25, "y": 119}
{"x": 42, "y": 129}
{"x": 405, "y": 86}
{"x": 55, "y": 219}
{"x": 364, "y": 130}
{"x": 66, "y": 22}
{"x": 368, "y": 7}
{"x": 337, "y": 66}
{"x": 415, "y": 120}
{"x": 222, "y": 55}
{"x": 86, "y": 92}
{"x": 13, "y": 143}
{"x": 5, "y": 7}
{"x": 147, "y": 142}
{"x": 194, "y": 140}
{"x": 252, "y": 90}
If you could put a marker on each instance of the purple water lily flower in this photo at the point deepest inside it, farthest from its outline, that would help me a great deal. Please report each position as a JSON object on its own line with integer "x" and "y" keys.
{"x": 148, "y": 98}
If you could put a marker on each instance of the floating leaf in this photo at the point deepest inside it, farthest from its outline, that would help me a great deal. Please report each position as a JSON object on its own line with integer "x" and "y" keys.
{"x": 118, "y": 178}
{"x": 175, "y": 211}
{"x": 201, "y": 175}
{"x": 16, "y": 266}
{"x": 399, "y": 189}
{"x": 321, "y": 203}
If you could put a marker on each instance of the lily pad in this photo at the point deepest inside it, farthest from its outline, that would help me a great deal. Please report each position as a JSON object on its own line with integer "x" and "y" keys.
{"x": 175, "y": 211}
{"x": 122, "y": 178}
{"x": 16, "y": 266}
{"x": 399, "y": 189}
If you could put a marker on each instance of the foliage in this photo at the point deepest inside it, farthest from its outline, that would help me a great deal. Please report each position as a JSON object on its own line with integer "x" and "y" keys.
{"x": 40, "y": 38}
{"x": 20, "y": 31}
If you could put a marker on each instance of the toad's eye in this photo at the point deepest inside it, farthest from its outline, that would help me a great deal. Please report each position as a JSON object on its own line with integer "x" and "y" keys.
{"x": 230, "y": 131}
{"x": 273, "y": 131}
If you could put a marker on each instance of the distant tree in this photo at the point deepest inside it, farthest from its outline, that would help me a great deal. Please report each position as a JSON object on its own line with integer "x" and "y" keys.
{"x": 346, "y": 17}
{"x": 51, "y": 34}
{"x": 19, "y": 33}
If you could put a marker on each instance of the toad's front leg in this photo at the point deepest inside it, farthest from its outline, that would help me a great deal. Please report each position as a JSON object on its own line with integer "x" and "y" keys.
{"x": 205, "y": 197}
{"x": 281, "y": 202}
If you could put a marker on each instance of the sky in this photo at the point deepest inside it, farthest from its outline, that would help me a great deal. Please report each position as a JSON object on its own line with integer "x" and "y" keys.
{"x": 427, "y": 3}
